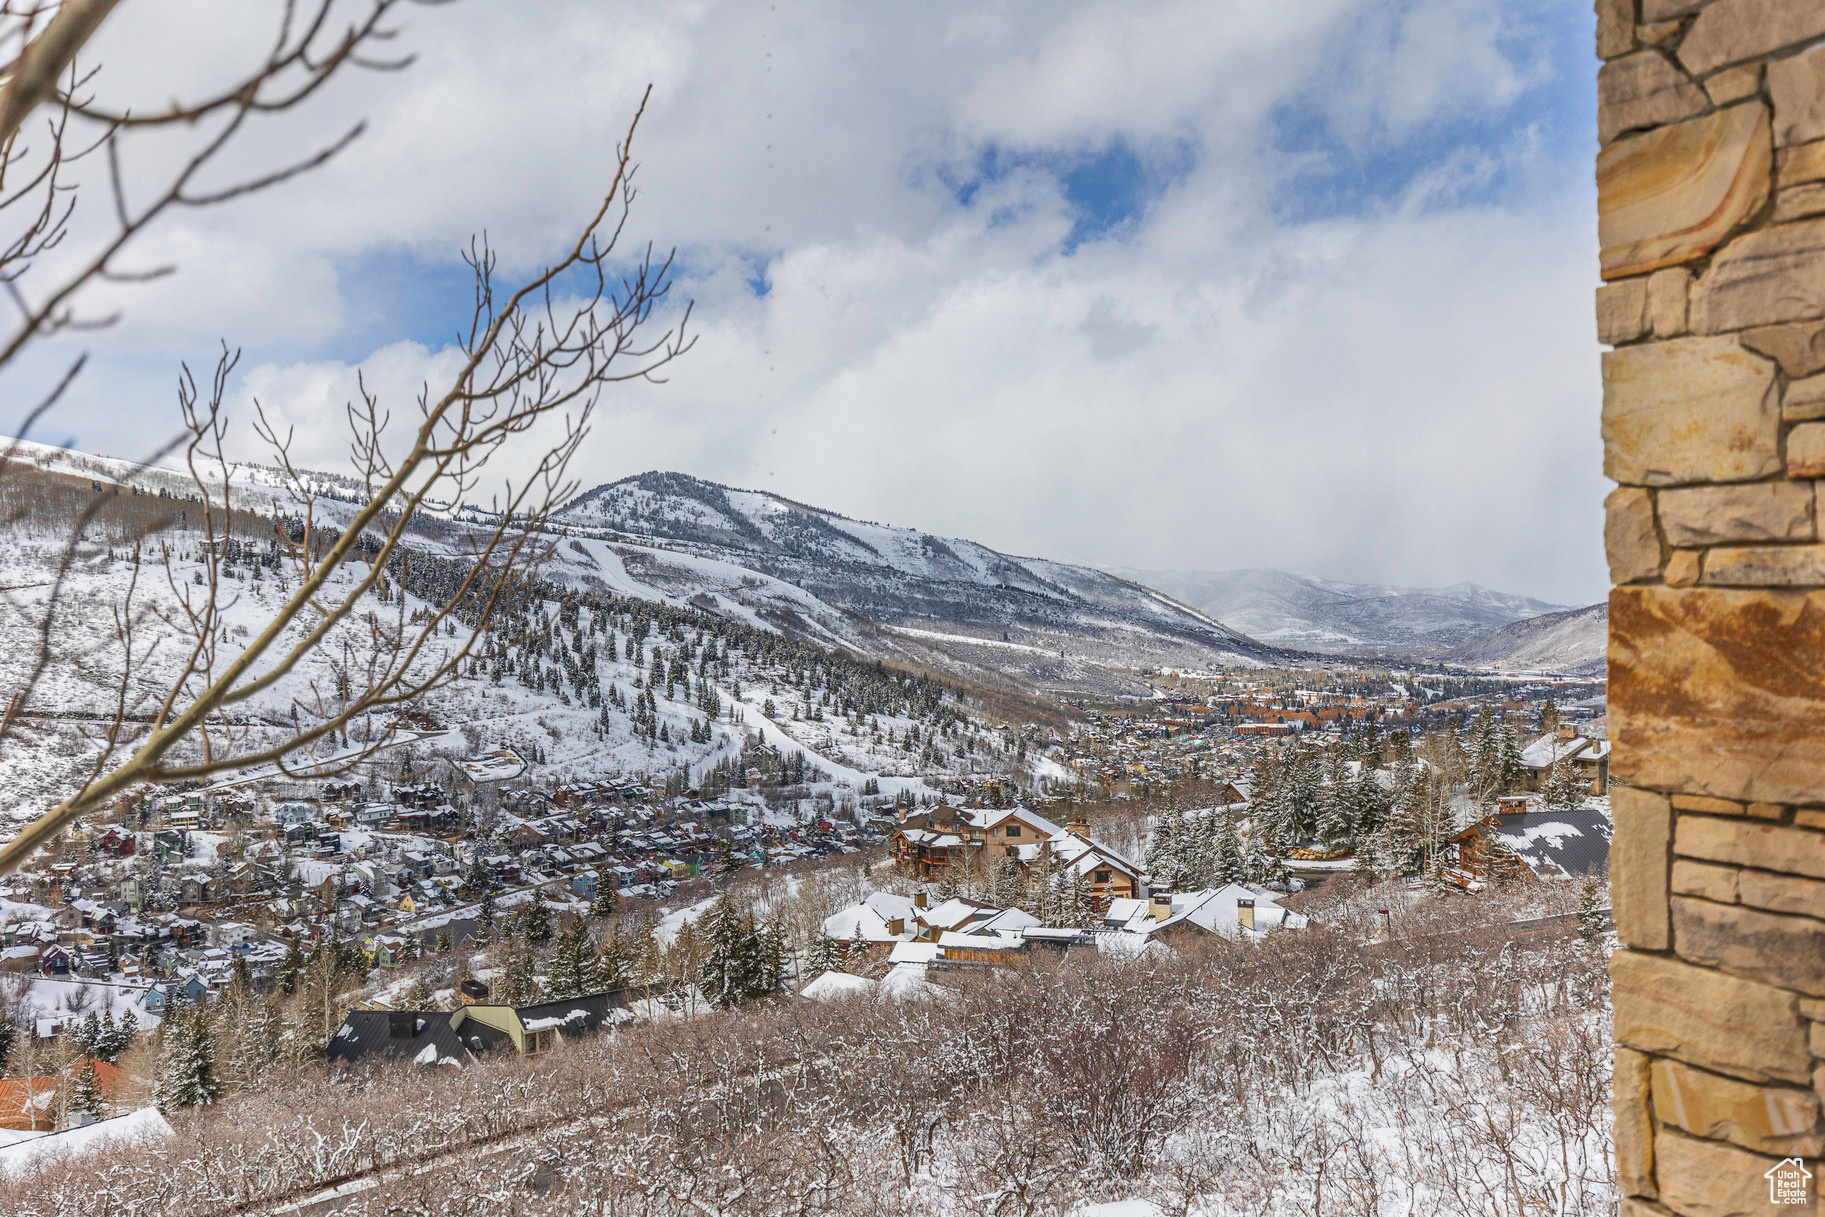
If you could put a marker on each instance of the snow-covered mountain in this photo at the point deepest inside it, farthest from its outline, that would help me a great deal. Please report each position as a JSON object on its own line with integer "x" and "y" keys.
{"x": 1572, "y": 643}
{"x": 1327, "y": 616}
{"x": 894, "y": 590}
{"x": 567, "y": 716}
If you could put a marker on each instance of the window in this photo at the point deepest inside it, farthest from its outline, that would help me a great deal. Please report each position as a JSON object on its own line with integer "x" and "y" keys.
{"x": 1101, "y": 876}
{"x": 1013, "y": 830}
{"x": 1013, "y": 851}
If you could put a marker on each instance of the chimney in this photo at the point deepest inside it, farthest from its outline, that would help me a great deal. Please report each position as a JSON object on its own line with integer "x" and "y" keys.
{"x": 895, "y": 926}
{"x": 1080, "y": 827}
{"x": 1160, "y": 905}
{"x": 1245, "y": 913}
{"x": 920, "y": 900}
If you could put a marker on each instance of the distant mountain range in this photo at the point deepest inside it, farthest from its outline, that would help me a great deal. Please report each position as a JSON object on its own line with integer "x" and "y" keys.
{"x": 892, "y": 591}
{"x": 1573, "y": 642}
{"x": 1355, "y": 619}
{"x": 962, "y": 607}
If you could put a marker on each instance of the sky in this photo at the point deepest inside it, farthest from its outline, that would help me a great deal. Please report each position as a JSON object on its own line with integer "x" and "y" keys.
{"x": 1157, "y": 285}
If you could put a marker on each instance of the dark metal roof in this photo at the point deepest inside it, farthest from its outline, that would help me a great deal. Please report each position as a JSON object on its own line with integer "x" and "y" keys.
{"x": 1558, "y": 844}
{"x": 576, "y": 1015}
{"x": 368, "y": 1035}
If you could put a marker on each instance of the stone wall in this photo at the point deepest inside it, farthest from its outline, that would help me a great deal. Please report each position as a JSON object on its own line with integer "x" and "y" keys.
{"x": 1711, "y": 200}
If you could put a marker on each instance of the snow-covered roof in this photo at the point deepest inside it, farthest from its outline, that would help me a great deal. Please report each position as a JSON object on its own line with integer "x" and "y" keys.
{"x": 836, "y": 985}
{"x": 1552, "y": 748}
{"x": 952, "y": 914}
{"x": 873, "y": 916}
{"x": 981, "y": 942}
{"x": 1007, "y": 921}
{"x": 915, "y": 952}
{"x": 1085, "y": 854}
{"x": 1558, "y": 844}
{"x": 143, "y": 1127}
{"x": 1217, "y": 910}
{"x": 906, "y": 982}
{"x": 986, "y": 818}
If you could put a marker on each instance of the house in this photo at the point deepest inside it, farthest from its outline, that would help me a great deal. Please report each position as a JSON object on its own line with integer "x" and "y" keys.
{"x": 1108, "y": 875}
{"x": 28, "y": 1104}
{"x": 928, "y": 844}
{"x": 883, "y": 917}
{"x": 117, "y": 843}
{"x": 1529, "y": 845}
{"x": 1585, "y": 750}
{"x": 435, "y": 1037}
{"x": 1231, "y": 911}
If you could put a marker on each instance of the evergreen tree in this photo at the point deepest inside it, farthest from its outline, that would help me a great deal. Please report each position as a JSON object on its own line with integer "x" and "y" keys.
{"x": 738, "y": 964}
{"x": 188, "y": 1078}
{"x": 826, "y": 956}
{"x": 9, "y": 1035}
{"x": 485, "y": 918}
{"x": 290, "y": 969}
{"x": 1549, "y": 716}
{"x": 124, "y": 1032}
{"x": 1227, "y": 864}
{"x": 613, "y": 966}
{"x": 607, "y": 900}
{"x": 1564, "y": 789}
{"x": 570, "y": 963}
{"x": 773, "y": 961}
{"x": 518, "y": 983}
{"x": 443, "y": 942}
{"x": 1512, "y": 773}
{"x": 1007, "y": 884}
{"x": 85, "y": 1093}
{"x": 535, "y": 918}
{"x": 1071, "y": 905}
{"x": 1590, "y": 912}
{"x": 1337, "y": 816}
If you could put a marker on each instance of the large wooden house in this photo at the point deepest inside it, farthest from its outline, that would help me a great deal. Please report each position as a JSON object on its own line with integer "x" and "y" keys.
{"x": 930, "y": 845}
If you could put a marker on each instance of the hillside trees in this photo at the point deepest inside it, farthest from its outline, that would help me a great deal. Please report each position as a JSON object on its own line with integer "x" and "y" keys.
{"x": 187, "y": 1077}
{"x": 528, "y": 377}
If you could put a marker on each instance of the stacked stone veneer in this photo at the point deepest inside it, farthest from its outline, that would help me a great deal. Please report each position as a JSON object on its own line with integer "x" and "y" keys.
{"x": 1711, "y": 199}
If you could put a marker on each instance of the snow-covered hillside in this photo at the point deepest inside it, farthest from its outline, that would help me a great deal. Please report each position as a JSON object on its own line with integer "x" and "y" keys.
{"x": 1323, "y": 615}
{"x": 893, "y": 590}
{"x": 1570, "y": 643}
{"x": 575, "y": 693}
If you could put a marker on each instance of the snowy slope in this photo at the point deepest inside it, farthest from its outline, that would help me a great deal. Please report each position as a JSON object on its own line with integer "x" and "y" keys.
{"x": 898, "y": 591}
{"x": 1572, "y": 642}
{"x": 474, "y": 714}
{"x": 1343, "y": 618}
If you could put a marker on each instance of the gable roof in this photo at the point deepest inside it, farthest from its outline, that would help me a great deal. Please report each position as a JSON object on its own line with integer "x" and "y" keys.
{"x": 872, "y": 916}
{"x": 1558, "y": 844}
{"x": 423, "y": 1036}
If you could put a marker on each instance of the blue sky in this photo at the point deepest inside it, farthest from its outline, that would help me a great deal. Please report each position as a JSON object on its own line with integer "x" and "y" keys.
{"x": 1159, "y": 286}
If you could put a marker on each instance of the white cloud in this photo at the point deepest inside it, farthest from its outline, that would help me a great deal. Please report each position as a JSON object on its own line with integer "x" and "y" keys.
{"x": 1407, "y": 396}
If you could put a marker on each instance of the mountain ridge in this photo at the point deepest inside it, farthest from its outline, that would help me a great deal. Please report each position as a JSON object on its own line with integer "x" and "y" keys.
{"x": 1052, "y": 624}
{"x": 1333, "y": 617}
{"x": 1573, "y": 643}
